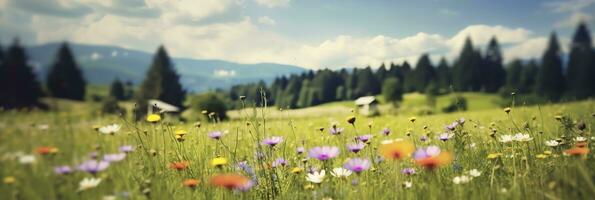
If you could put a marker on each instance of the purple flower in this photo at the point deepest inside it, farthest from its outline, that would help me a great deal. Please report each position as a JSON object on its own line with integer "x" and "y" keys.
{"x": 272, "y": 141}
{"x": 357, "y": 165}
{"x": 126, "y": 148}
{"x": 65, "y": 169}
{"x": 299, "y": 150}
{"x": 355, "y": 147}
{"x": 408, "y": 171}
{"x": 386, "y": 131}
{"x": 451, "y": 127}
{"x": 93, "y": 155}
{"x": 444, "y": 136}
{"x": 323, "y": 153}
{"x": 335, "y": 130}
{"x": 93, "y": 166}
{"x": 280, "y": 162}
{"x": 423, "y": 138}
{"x": 116, "y": 157}
{"x": 215, "y": 135}
{"x": 462, "y": 121}
{"x": 243, "y": 165}
{"x": 429, "y": 151}
{"x": 364, "y": 138}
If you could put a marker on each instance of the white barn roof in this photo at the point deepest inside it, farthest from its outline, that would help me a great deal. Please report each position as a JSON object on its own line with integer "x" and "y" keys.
{"x": 365, "y": 100}
{"x": 165, "y": 107}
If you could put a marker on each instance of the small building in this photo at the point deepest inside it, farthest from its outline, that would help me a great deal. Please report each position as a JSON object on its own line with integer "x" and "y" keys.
{"x": 367, "y": 105}
{"x": 157, "y": 106}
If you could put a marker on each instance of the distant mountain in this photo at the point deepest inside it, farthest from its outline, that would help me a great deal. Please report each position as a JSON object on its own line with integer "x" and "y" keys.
{"x": 102, "y": 64}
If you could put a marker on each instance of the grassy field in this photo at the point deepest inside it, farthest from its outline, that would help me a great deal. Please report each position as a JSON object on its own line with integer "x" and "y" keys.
{"x": 169, "y": 157}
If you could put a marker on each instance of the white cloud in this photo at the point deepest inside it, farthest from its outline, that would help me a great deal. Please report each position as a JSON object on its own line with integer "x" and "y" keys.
{"x": 224, "y": 73}
{"x": 273, "y": 3}
{"x": 573, "y": 20}
{"x": 266, "y": 21}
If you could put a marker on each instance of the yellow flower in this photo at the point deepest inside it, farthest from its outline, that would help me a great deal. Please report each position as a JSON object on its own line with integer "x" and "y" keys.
{"x": 9, "y": 180}
{"x": 218, "y": 162}
{"x": 541, "y": 156}
{"x": 180, "y": 138}
{"x": 153, "y": 118}
{"x": 308, "y": 186}
{"x": 181, "y": 132}
{"x": 297, "y": 170}
{"x": 351, "y": 119}
{"x": 412, "y": 119}
{"x": 494, "y": 155}
{"x": 507, "y": 109}
{"x": 547, "y": 152}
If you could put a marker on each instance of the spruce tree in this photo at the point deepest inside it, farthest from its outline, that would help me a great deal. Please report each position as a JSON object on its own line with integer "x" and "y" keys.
{"x": 408, "y": 78}
{"x": 392, "y": 89}
{"x": 581, "y": 65}
{"x": 19, "y": 87}
{"x": 117, "y": 90}
{"x": 161, "y": 82}
{"x": 65, "y": 79}
{"x": 550, "y": 81}
{"x": 443, "y": 75}
{"x": 494, "y": 75}
{"x": 467, "y": 72}
{"x": 381, "y": 73}
{"x": 527, "y": 79}
{"x": 423, "y": 73}
{"x": 513, "y": 76}
{"x": 367, "y": 84}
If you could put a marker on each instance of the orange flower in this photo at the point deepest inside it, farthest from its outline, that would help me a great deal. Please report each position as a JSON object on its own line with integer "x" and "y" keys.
{"x": 46, "y": 150}
{"x": 397, "y": 150}
{"x": 580, "y": 144}
{"x": 230, "y": 181}
{"x": 435, "y": 161}
{"x": 577, "y": 151}
{"x": 179, "y": 165}
{"x": 191, "y": 183}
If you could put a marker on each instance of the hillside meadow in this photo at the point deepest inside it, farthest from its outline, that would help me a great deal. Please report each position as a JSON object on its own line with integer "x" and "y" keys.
{"x": 534, "y": 152}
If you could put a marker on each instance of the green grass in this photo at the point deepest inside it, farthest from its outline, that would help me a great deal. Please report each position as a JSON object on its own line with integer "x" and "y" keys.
{"x": 518, "y": 174}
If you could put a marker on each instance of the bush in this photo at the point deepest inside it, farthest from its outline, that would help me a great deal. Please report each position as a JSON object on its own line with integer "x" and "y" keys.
{"x": 110, "y": 106}
{"x": 457, "y": 103}
{"x": 213, "y": 104}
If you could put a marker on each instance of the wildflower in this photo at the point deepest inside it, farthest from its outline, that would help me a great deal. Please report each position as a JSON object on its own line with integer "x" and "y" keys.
{"x": 215, "y": 135}
{"x": 308, "y": 186}
{"x": 580, "y": 139}
{"x": 507, "y": 110}
{"x": 191, "y": 183}
{"x": 547, "y": 152}
{"x": 519, "y": 137}
{"x": 61, "y": 170}
{"x": 110, "y": 129}
{"x": 506, "y": 138}
{"x": 386, "y": 131}
{"x": 430, "y": 151}
{"x": 552, "y": 143}
{"x": 316, "y": 177}
{"x": 88, "y": 183}
{"x": 116, "y": 157}
{"x": 299, "y": 150}
{"x": 153, "y": 118}
{"x": 323, "y": 153}
{"x": 461, "y": 121}
{"x": 126, "y": 148}
{"x": 407, "y": 184}
{"x": 179, "y": 165}
{"x": 27, "y": 159}
{"x": 231, "y": 181}
{"x": 297, "y": 170}
{"x": 444, "y": 136}
{"x": 272, "y": 141}
{"x": 218, "y": 162}
{"x": 474, "y": 173}
{"x": 430, "y": 161}
{"x": 397, "y": 150}
{"x": 351, "y": 120}
{"x": 279, "y": 162}
{"x": 494, "y": 155}
{"x": 9, "y": 180}
{"x": 356, "y": 147}
{"x": 452, "y": 126}
{"x": 46, "y": 150}
{"x": 412, "y": 119}
{"x": 364, "y": 138}
{"x": 461, "y": 179}
{"x": 357, "y": 165}
{"x": 93, "y": 166}
{"x": 541, "y": 156}
{"x": 423, "y": 138}
{"x": 181, "y": 132}
{"x": 335, "y": 130}
{"x": 340, "y": 172}
{"x": 577, "y": 151}
{"x": 408, "y": 171}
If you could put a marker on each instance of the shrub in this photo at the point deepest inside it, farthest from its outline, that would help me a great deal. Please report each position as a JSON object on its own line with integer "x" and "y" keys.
{"x": 213, "y": 104}
{"x": 457, "y": 103}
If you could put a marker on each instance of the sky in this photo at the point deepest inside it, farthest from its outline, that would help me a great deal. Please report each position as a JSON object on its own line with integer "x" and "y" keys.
{"x": 309, "y": 33}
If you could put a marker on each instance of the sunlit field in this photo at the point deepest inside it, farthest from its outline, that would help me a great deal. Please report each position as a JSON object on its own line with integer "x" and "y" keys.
{"x": 537, "y": 152}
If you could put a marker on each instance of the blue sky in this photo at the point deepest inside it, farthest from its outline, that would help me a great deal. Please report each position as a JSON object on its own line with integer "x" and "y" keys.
{"x": 308, "y": 33}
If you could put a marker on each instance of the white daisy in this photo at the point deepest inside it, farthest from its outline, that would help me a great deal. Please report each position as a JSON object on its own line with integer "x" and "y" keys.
{"x": 89, "y": 183}
{"x": 522, "y": 137}
{"x": 580, "y": 139}
{"x": 110, "y": 129}
{"x": 461, "y": 179}
{"x": 27, "y": 159}
{"x": 552, "y": 143}
{"x": 407, "y": 184}
{"x": 316, "y": 177}
{"x": 474, "y": 173}
{"x": 506, "y": 138}
{"x": 341, "y": 172}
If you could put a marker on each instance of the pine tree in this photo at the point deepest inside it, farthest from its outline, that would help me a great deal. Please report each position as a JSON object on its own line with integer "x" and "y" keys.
{"x": 513, "y": 76}
{"x": 444, "y": 75}
{"x": 161, "y": 82}
{"x": 423, "y": 73}
{"x": 494, "y": 73}
{"x": 581, "y": 65}
{"x": 527, "y": 81}
{"x": 392, "y": 89}
{"x": 381, "y": 73}
{"x": 117, "y": 90}
{"x": 467, "y": 74}
{"x": 65, "y": 79}
{"x": 550, "y": 81}
{"x": 367, "y": 84}
{"x": 408, "y": 78}
{"x": 19, "y": 87}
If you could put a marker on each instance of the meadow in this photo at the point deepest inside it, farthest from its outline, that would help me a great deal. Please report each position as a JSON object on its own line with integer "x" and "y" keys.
{"x": 533, "y": 152}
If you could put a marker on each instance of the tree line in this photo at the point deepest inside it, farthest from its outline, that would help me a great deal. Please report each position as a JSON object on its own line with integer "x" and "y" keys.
{"x": 473, "y": 70}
